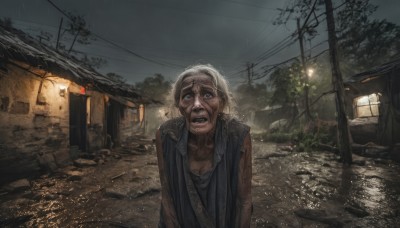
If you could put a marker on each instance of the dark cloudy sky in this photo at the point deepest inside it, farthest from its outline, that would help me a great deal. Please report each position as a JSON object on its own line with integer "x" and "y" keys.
{"x": 172, "y": 34}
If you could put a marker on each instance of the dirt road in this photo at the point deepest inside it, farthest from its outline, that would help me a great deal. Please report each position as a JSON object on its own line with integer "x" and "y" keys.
{"x": 289, "y": 190}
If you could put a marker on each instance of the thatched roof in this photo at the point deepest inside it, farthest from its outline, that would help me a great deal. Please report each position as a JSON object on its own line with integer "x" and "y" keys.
{"x": 19, "y": 46}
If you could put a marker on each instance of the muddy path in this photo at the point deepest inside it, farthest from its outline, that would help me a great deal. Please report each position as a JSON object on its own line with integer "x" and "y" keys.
{"x": 289, "y": 190}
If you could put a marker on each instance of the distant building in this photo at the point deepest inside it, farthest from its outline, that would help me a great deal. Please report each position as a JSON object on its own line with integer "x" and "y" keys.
{"x": 373, "y": 104}
{"x": 52, "y": 107}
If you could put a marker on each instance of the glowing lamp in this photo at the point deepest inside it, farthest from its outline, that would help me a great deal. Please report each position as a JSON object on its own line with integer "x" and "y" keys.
{"x": 63, "y": 90}
{"x": 310, "y": 72}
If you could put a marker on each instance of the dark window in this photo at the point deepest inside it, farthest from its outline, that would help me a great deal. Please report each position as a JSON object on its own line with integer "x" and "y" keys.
{"x": 19, "y": 107}
{"x": 5, "y": 101}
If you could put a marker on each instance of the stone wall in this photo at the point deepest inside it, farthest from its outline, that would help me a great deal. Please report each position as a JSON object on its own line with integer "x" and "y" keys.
{"x": 33, "y": 126}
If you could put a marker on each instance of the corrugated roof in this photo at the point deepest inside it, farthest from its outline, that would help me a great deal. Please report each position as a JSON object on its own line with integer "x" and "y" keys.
{"x": 376, "y": 72}
{"x": 17, "y": 45}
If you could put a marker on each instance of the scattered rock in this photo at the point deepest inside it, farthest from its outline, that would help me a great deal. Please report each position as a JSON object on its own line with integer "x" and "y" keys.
{"x": 117, "y": 193}
{"x": 74, "y": 175}
{"x": 18, "y": 185}
{"x": 101, "y": 162}
{"x": 80, "y": 162}
{"x": 51, "y": 196}
{"x": 278, "y": 125}
{"x": 62, "y": 158}
{"x": 357, "y": 211}
{"x": 287, "y": 148}
{"x": 47, "y": 161}
{"x": 106, "y": 152}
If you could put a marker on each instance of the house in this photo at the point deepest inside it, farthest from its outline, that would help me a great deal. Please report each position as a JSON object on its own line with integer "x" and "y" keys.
{"x": 52, "y": 108}
{"x": 373, "y": 104}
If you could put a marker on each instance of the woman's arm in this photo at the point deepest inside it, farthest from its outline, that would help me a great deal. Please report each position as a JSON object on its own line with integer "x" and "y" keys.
{"x": 244, "y": 184}
{"x": 168, "y": 214}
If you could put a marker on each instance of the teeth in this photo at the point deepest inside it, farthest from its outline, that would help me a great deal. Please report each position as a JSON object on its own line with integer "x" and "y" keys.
{"x": 199, "y": 120}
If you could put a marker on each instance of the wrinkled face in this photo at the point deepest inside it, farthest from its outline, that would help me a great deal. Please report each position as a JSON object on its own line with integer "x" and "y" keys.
{"x": 199, "y": 103}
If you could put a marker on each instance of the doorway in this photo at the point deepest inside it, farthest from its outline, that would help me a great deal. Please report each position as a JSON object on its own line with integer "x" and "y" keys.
{"x": 77, "y": 121}
{"x": 114, "y": 112}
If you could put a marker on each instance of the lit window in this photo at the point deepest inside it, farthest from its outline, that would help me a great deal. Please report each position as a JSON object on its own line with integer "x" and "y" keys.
{"x": 367, "y": 106}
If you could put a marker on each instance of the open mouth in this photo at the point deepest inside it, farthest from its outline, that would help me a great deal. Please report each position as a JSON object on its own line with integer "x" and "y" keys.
{"x": 199, "y": 120}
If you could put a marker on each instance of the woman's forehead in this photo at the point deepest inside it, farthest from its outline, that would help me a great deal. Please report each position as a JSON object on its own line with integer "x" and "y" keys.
{"x": 201, "y": 79}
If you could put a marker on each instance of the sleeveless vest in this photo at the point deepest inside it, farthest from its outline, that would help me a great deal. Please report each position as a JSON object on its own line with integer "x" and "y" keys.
{"x": 208, "y": 200}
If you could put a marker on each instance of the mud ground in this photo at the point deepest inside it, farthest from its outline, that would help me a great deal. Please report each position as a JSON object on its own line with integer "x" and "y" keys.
{"x": 308, "y": 189}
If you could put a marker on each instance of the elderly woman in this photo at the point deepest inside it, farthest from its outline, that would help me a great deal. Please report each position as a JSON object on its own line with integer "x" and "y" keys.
{"x": 204, "y": 156}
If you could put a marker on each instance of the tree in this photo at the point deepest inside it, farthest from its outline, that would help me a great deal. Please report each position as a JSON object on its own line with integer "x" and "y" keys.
{"x": 155, "y": 87}
{"x": 116, "y": 78}
{"x": 364, "y": 43}
{"x": 287, "y": 87}
{"x": 78, "y": 28}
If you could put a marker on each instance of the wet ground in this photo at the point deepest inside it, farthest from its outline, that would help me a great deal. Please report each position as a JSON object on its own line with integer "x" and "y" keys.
{"x": 289, "y": 190}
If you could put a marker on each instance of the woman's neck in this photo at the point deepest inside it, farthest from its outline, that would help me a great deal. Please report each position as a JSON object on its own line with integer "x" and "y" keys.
{"x": 201, "y": 147}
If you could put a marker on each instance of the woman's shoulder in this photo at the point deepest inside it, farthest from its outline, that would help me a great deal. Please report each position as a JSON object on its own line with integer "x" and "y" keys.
{"x": 234, "y": 125}
{"x": 172, "y": 127}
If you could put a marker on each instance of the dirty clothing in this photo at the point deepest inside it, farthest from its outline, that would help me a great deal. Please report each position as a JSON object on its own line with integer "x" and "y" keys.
{"x": 211, "y": 199}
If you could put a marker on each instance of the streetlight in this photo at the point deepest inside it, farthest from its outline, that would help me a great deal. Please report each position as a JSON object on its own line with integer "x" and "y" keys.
{"x": 310, "y": 72}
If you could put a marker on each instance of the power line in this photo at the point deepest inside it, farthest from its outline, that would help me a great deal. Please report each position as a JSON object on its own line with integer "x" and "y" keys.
{"x": 286, "y": 42}
{"x": 163, "y": 63}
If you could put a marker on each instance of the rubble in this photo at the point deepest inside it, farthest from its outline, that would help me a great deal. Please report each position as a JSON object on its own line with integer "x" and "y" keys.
{"x": 80, "y": 162}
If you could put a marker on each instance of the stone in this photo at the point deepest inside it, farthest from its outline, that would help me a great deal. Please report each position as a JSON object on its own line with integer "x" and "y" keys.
{"x": 47, "y": 161}
{"x": 62, "y": 157}
{"x": 118, "y": 193}
{"x": 18, "y": 185}
{"x": 74, "y": 175}
{"x": 80, "y": 162}
{"x": 106, "y": 152}
{"x": 278, "y": 125}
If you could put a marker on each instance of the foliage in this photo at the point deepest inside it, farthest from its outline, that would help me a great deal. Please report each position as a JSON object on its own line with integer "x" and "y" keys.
{"x": 155, "y": 87}
{"x": 116, "y": 78}
{"x": 95, "y": 62}
{"x": 364, "y": 43}
{"x": 253, "y": 95}
{"x": 77, "y": 26}
{"x": 278, "y": 137}
{"x": 300, "y": 9}
{"x": 287, "y": 84}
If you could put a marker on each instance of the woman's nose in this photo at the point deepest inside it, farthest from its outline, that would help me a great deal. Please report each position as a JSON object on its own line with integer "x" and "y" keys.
{"x": 197, "y": 103}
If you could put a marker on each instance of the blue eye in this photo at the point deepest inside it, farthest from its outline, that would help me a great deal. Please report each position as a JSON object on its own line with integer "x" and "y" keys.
{"x": 187, "y": 97}
{"x": 208, "y": 95}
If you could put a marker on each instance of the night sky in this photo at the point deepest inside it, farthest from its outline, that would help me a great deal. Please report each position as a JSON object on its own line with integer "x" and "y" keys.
{"x": 169, "y": 35}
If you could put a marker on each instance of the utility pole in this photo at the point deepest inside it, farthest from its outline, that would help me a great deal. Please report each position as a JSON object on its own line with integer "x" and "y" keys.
{"x": 337, "y": 81}
{"x": 305, "y": 76}
{"x": 250, "y": 73}
{"x": 58, "y": 35}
